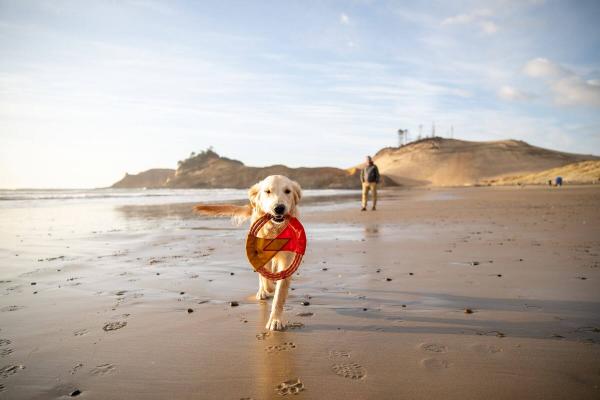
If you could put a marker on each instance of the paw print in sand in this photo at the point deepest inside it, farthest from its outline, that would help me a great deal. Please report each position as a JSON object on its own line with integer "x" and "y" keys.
{"x": 287, "y": 346}
{"x": 350, "y": 370}
{"x": 292, "y": 386}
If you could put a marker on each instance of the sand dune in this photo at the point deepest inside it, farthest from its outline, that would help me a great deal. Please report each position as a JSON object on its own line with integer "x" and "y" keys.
{"x": 581, "y": 172}
{"x": 451, "y": 162}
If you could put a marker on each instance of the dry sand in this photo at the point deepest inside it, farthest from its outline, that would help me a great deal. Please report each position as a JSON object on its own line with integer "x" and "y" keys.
{"x": 387, "y": 290}
{"x": 584, "y": 172}
{"x": 452, "y": 162}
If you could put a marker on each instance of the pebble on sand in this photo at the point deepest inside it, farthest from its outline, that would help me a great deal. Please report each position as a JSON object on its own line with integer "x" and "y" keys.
{"x": 305, "y": 303}
{"x": 468, "y": 311}
{"x": 75, "y": 392}
{"x": 190, "y": 310}
{"x": 234, "y": 303}
{"x": 388, "y": 279}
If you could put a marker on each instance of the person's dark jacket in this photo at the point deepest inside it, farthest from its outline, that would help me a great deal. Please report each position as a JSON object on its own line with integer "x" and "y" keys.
{"x": 370, "y": 174}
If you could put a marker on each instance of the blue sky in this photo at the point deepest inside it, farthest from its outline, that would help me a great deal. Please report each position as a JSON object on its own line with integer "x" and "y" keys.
{"x": 92, "y": 89}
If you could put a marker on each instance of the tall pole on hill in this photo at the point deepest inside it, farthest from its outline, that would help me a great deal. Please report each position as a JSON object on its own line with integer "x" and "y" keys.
{"x": 402, "y": 137}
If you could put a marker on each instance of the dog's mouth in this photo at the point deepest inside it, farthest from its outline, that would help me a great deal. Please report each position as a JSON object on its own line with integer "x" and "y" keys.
{"x": 278, "y": 219}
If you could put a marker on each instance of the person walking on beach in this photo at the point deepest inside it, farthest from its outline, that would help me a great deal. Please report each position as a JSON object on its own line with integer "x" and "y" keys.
{"x": 369, "y": 177}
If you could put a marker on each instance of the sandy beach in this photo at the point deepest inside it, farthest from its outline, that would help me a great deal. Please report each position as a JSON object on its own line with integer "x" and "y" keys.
{"x": 459, "y": 293}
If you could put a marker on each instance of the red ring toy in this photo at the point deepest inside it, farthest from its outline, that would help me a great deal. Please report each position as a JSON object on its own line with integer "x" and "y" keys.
{"x": 261, "y": 250}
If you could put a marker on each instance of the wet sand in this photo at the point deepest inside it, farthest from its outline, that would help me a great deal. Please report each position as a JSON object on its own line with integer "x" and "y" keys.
{"x": 140, "y": 309}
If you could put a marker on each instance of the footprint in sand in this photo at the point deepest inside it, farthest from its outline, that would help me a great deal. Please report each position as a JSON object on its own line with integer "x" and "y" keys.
{"x": 76, "y": 368}
{"x": 8, "y": 370}
{"x": 333, "y": 354}
{"x": 305, "y": 314}
{"x": 292, "y": 386}
{"x": 486, "y": 348}
{"x": 113, "y": 326}
{"x": 350, "y": 370}
{"x": 295, "y": 325}
{"x": 263, "y": 335}
{"x": 5, "y": 342}
{"x": 490, "y": 333}
{"x": 5, "y": 352}
{"x": 435, "y": 364}
{"x": 103, "y": 369}
{"x": 80, "y": 332}
{"x": 434, "y": 347}
{"x": 11, "y": 308}
{"x": 286, "y": 346}
{"x": 2, "y": 388}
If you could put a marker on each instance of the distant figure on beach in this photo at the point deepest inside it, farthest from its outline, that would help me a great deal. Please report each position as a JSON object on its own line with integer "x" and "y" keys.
{"x": 369, "y": 177}
{"x": 559, "y": 181}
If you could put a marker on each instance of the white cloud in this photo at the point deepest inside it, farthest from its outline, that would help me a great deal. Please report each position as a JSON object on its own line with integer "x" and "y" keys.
{"x": 510, "y": 93}
{"x": 573, "y": 90}
{"x": 543, "y": 68}
{"x": 480, "y": 17}
{"x": 568, "y": 87}
{"x": 489, "y": 27}
{"x": 344, "y": 19}
{"x": 467, "y": 18}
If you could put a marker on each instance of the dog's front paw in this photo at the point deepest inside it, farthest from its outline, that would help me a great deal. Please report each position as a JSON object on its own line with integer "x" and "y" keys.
{"x": 275, "y": 324}
{"x": 263, "y": 294}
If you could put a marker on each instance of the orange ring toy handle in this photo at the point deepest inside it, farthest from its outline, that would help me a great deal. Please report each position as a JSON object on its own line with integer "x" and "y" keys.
{"x": 261, "y": 250}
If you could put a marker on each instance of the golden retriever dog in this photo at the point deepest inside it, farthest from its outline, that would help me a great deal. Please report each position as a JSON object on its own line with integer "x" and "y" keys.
{"x": 278, "y": 196}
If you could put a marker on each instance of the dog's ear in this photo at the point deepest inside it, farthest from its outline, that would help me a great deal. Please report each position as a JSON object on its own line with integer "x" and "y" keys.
{"x": 296, "y": 191}
{"x": 253, "y": 194}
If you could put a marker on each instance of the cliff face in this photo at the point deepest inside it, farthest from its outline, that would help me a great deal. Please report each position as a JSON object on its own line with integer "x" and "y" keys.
{"x": 209, "y": 170}
{"x": 153, "y": 178}
{"x": 450, "y": 162}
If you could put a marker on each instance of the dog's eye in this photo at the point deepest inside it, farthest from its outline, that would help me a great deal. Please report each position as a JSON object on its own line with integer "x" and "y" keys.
{"x": 267, "y": 191}
{"x": 288, "y": 191}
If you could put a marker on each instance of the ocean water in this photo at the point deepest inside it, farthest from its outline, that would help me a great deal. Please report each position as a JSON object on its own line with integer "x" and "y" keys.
{"x": 57, "y": 197}
{"x": 40, "y": 224}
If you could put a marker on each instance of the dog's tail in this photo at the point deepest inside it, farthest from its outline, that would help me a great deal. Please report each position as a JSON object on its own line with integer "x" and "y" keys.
{"x": 237, "y": 213}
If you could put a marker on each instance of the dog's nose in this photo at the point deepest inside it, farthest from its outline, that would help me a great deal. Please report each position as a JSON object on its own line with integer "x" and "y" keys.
{"x": 279, "y": 209}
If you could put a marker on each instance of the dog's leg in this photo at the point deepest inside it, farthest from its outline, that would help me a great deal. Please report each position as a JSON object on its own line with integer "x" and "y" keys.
{"x": 275, "y": 319}
{"x": 265, "y": 288}
{"x": 275, "y": 322}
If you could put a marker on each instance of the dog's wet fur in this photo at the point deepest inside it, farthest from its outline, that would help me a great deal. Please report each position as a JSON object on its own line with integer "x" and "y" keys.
{"x": 278, "y": 196}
